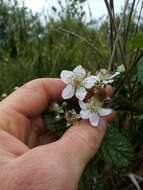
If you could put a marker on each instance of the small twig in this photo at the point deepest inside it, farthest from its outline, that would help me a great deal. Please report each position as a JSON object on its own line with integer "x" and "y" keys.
{"x": 134, "y": 84}
{"x": 139, "y": 178}
{"x": 135, "y": 55}
{"x": 90, "y": 13}
{"x": 138, "y": 94}
{"x": 139, "y": 17}
{"x": 125, "y": 77}
{"x": 128, "y": 24}
{"x": 115, "y": 28}
{"x": 111, "y": 24}
{"x": 134, "y": 180}
{"x": 117, "y": 38}
{"x": 128, "y": 108}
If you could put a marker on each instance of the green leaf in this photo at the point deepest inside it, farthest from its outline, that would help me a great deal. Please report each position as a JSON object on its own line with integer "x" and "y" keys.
{"x": 140, "y": 71}
{"x": 57, "y": 127}
{"x": 116, "y": 150}
{"x": 137, "y": 41}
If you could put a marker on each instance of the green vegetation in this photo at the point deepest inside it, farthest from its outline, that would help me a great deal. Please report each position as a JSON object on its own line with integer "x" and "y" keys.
{"x": 31, "y": 48}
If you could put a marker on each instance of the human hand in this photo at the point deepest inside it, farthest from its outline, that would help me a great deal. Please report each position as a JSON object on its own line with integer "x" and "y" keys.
{"x": 30, "y": 158}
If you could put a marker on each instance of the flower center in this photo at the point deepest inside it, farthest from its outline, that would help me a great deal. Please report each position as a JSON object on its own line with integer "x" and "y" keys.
{"x": 103, "y": 74}
{"x": 77, "y": 82}
{"x": 95, "y": 104}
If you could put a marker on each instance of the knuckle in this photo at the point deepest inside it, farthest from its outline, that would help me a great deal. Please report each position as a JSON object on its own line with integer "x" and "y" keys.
{"x": 31, "y": 84}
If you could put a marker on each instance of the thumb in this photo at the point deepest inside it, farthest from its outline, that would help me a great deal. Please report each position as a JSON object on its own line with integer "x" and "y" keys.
{"x": 82, "y": 141}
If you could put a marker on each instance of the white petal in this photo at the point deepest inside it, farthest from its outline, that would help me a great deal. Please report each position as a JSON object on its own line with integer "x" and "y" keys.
{"x": 94, "y": 119}
{"x": 66, "y": 76}
{"x": 121, "y": 68}
{"x": 68, "y": 92}
{"x": 83, "y": 105}
{"x": 81, "y": 93}
{"x": 104, "y": 111}
{"x": 108, "y": 81}
{"x": 98, "y": 78}
{"x": 85, "y": 113}
{"x": 113, "y": 76}
{"x": 79, "y": 71}
{"x": 89, "y": 81}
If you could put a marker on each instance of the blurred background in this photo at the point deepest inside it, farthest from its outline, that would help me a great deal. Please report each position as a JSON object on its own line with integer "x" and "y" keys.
{"x": 40, "y": 38}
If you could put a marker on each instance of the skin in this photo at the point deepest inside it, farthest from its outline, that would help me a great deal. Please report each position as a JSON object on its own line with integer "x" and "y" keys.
{"x": 30, "y": 158}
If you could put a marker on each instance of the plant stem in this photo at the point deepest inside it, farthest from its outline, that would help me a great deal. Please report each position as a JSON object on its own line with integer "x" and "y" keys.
{"x": 130, "y": 70}
{"x": 139, "y": 17}
{"x": 128, "y": 24}
{"x": 117, "y": 40}
{"x": 116, "y": 30}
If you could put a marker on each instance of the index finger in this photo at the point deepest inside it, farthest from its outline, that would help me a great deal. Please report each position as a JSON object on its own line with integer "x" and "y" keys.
{"x": 33, "y": 98}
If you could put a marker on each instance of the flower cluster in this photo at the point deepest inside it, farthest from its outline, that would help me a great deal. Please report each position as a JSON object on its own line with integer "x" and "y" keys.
{"x": 77, "y": 83}
{"x": 88, "y": 90}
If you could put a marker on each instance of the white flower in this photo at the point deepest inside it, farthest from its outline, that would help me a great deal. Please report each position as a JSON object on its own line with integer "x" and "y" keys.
{"x": 92, "y": 110}
{"x": 104, "y": 77}
{"x": 121, "y": 68}
{"x": 55, "y": 107}
{"x": 71, "y": 117}
{"x": 76, "y": 82}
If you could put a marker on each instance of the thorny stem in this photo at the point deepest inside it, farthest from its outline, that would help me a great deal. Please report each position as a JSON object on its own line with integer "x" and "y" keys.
{"x": 117, "y": 40}
{"x": 116, "y": 30}
{"x": 128, "y": 24}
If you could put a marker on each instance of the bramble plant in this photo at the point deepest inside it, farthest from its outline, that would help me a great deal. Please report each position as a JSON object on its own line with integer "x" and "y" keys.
{"x": 33, "y": 49}
{"x": 89, "y": 91}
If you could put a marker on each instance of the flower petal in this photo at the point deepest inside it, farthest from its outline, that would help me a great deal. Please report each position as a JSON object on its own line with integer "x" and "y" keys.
{"x": 79, "y": 71}
{"x": 66, "y": 76}
{"x": 85, "y": 113}
{"x": 68, "y": 92}
{"x": 108, "y": 81}
{"x": 94, "y": 119}
{"x": 89, "y": 81}
{"x": 104, "y": 111}
{"x": 81, "y": 93}
{"x": 114, "y": 75}
{"x": 121, "y": 68}
{"x": 83, "y": 105}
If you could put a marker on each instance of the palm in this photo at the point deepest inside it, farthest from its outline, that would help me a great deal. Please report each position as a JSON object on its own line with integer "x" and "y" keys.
{"x": 22, "y": 129}
{"x": 20, "y": 122}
